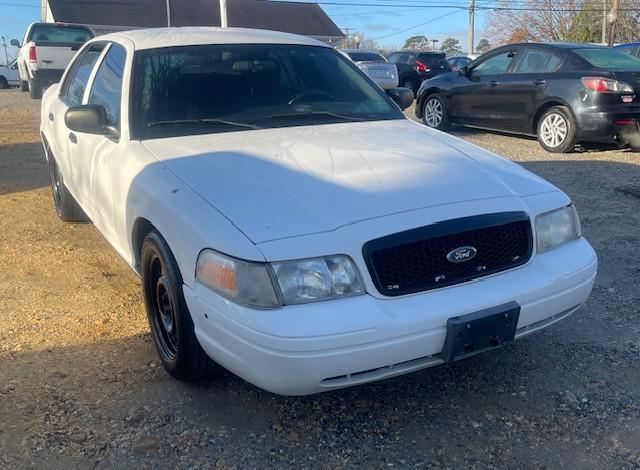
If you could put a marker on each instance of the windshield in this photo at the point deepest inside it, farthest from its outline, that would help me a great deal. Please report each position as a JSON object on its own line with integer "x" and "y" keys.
{"x": 366, "y": 57}
{"x": 222, "y": 88}
{"x": 58, "y": 33}
{"x": 609, "y": 59}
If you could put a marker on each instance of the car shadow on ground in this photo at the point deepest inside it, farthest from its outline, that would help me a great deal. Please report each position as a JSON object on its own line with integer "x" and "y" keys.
{"x": 22, "y": 168}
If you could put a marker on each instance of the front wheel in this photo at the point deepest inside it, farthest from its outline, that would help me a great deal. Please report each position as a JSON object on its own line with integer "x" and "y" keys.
{"x": 435, "y": 113}
{"x": 169, "y": 318}
{"x": 557, "y": 130}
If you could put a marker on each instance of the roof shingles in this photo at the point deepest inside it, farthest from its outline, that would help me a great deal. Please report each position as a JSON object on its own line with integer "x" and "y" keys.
{"x": 299, "y": 18}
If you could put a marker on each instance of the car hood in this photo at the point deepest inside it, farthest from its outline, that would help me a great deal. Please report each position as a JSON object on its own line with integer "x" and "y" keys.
{"x": 287, "y": 182}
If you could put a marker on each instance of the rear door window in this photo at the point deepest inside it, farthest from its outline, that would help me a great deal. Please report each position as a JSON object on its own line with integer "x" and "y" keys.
{"x": 107, "y": 85}
{"x": 76, "y": 82}
{"x": 536, "y": 60}
{"x": 631, "y": 50}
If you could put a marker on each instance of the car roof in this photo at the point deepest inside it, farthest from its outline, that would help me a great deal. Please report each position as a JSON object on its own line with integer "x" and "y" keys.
{"x": 628, "y": 44}
{"x": 561, "y": 45}
{"x": 187, "y": 36}
{"x": 350, "y": 51}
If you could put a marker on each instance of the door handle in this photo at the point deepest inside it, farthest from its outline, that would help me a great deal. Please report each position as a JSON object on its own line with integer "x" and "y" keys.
{"x": 539, "y": 81}
{"x": 73, "y": 138}
{"x": 494, "y": 83}
{"x": 50, "y": 116}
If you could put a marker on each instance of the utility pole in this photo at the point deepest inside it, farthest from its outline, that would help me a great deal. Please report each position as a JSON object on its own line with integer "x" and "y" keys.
{"x": 6, "y": 55}
{"x": 168, "y": 13}
{"x": 347, "y": 44}
{"x": 613, "y": 19}
{"x": 224, "y": 19}
{"x": 470, "y": 39}
{"x": 604, "y": 22}
{"x": 434, "y": 44}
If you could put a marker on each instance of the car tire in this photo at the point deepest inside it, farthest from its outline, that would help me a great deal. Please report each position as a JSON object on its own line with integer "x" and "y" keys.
{"x": 67, "y": 208}
{"x": 4, "y": 84}
{"x": 435, "y": 113}
{"x": 171, "y": 324}
{"x": 409, "y": 83}
{"x": 35, "y": 89}
{"x": 24, "y": 85}
{"x": 556, "y": 130}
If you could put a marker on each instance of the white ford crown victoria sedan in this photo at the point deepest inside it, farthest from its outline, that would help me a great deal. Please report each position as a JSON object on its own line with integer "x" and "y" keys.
{"x": 289, "y": 223}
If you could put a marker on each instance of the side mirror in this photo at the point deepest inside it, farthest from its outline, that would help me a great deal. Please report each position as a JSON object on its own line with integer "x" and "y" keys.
{"x": 15, "y": 42}
{"x": 403, "y": 97}
{"x": 464, "y": 71}
{"x": 90, "y": 119}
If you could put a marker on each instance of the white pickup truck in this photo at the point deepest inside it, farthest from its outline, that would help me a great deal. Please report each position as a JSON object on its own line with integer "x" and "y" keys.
{"x": 45, "y": 51}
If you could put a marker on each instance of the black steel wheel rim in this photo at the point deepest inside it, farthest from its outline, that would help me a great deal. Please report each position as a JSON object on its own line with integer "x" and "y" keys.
{"x": 163, "y": 312}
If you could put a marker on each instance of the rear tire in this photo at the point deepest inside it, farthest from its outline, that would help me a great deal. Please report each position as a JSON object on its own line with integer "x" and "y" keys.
{"x": 35, "y": 89}
{"x": 169, "y": 318}
{"x": 24, "y": 85}
{"x": 409, "y": 83}
{"x": 556, "y": 130}
{"x": 435, "y": 112}
{"x": 66, "y": 206}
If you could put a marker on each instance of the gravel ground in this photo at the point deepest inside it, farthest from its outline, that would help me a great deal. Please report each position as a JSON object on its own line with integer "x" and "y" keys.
{"x": 81, "y": 386}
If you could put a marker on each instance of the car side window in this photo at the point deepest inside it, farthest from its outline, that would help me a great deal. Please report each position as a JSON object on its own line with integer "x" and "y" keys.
{"x": 496, "y": 65}
{"x": 107, "y": 85}
{"x": 537, "y": 61}
{"x": 631, "y": 50}
{"x": 76, "y": 83}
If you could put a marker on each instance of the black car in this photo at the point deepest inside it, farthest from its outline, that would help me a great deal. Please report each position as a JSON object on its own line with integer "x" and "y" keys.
{"x": 562, "y": 93}
{"x": 415, "y": 67}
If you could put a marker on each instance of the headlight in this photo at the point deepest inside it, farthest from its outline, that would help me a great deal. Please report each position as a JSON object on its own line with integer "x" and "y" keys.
{"x": 299, "y": 281}
{"x": 315, "y": 279}
{"x": 557, "y": 227}
{"x": 241, "y": 281}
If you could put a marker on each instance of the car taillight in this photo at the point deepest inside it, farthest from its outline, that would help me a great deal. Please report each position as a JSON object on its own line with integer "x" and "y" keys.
{"x": 32, "y": 53}
{"x": 421, "y": 67}
{"x": 605, "y": 85}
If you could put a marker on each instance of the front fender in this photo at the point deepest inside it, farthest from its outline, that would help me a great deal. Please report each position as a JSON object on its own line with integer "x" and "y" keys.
{"x": 187, "y": 222}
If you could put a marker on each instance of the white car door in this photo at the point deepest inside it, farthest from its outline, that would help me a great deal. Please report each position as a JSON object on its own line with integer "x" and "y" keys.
{"x": 98, "y": 159}
{"x": 64, "y": 143}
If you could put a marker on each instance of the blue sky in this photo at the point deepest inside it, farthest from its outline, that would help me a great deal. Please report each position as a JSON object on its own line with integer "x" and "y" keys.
{"x": 385, "y": 23}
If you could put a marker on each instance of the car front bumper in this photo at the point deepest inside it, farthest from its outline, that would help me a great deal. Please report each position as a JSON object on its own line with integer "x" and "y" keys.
{"x": 304, "y": 349}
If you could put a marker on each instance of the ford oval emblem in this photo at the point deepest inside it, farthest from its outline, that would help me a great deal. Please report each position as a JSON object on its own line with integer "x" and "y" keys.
{"x": 462, "y": 254}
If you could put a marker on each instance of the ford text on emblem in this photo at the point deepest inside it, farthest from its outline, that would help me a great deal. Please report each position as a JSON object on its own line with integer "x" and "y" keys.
{"x": 462, "y": 254}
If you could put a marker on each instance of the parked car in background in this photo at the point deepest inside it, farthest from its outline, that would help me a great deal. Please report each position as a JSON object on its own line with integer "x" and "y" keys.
{"x": 562, "y": 93}
{"x": 375, "y": 66}
{"x": 45, "y": 52}
{"x": 458, "y": 62}
{"x": 633, "y": 49}
{"x": 9, "y": 75}
{"x": 415, "y": 67}
{"x": 287, "y": 219}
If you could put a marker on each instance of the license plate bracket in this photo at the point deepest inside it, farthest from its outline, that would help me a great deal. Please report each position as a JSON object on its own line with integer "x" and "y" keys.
{"x": 477, "y": 332}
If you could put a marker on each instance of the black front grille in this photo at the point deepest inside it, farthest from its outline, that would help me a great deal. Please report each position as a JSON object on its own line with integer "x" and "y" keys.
{"x": 416, "y": 260}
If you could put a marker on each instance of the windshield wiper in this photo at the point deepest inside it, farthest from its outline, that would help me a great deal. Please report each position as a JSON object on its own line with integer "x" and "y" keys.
{"x": 315, "y": 114}
{"x": 201, "y": 122}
